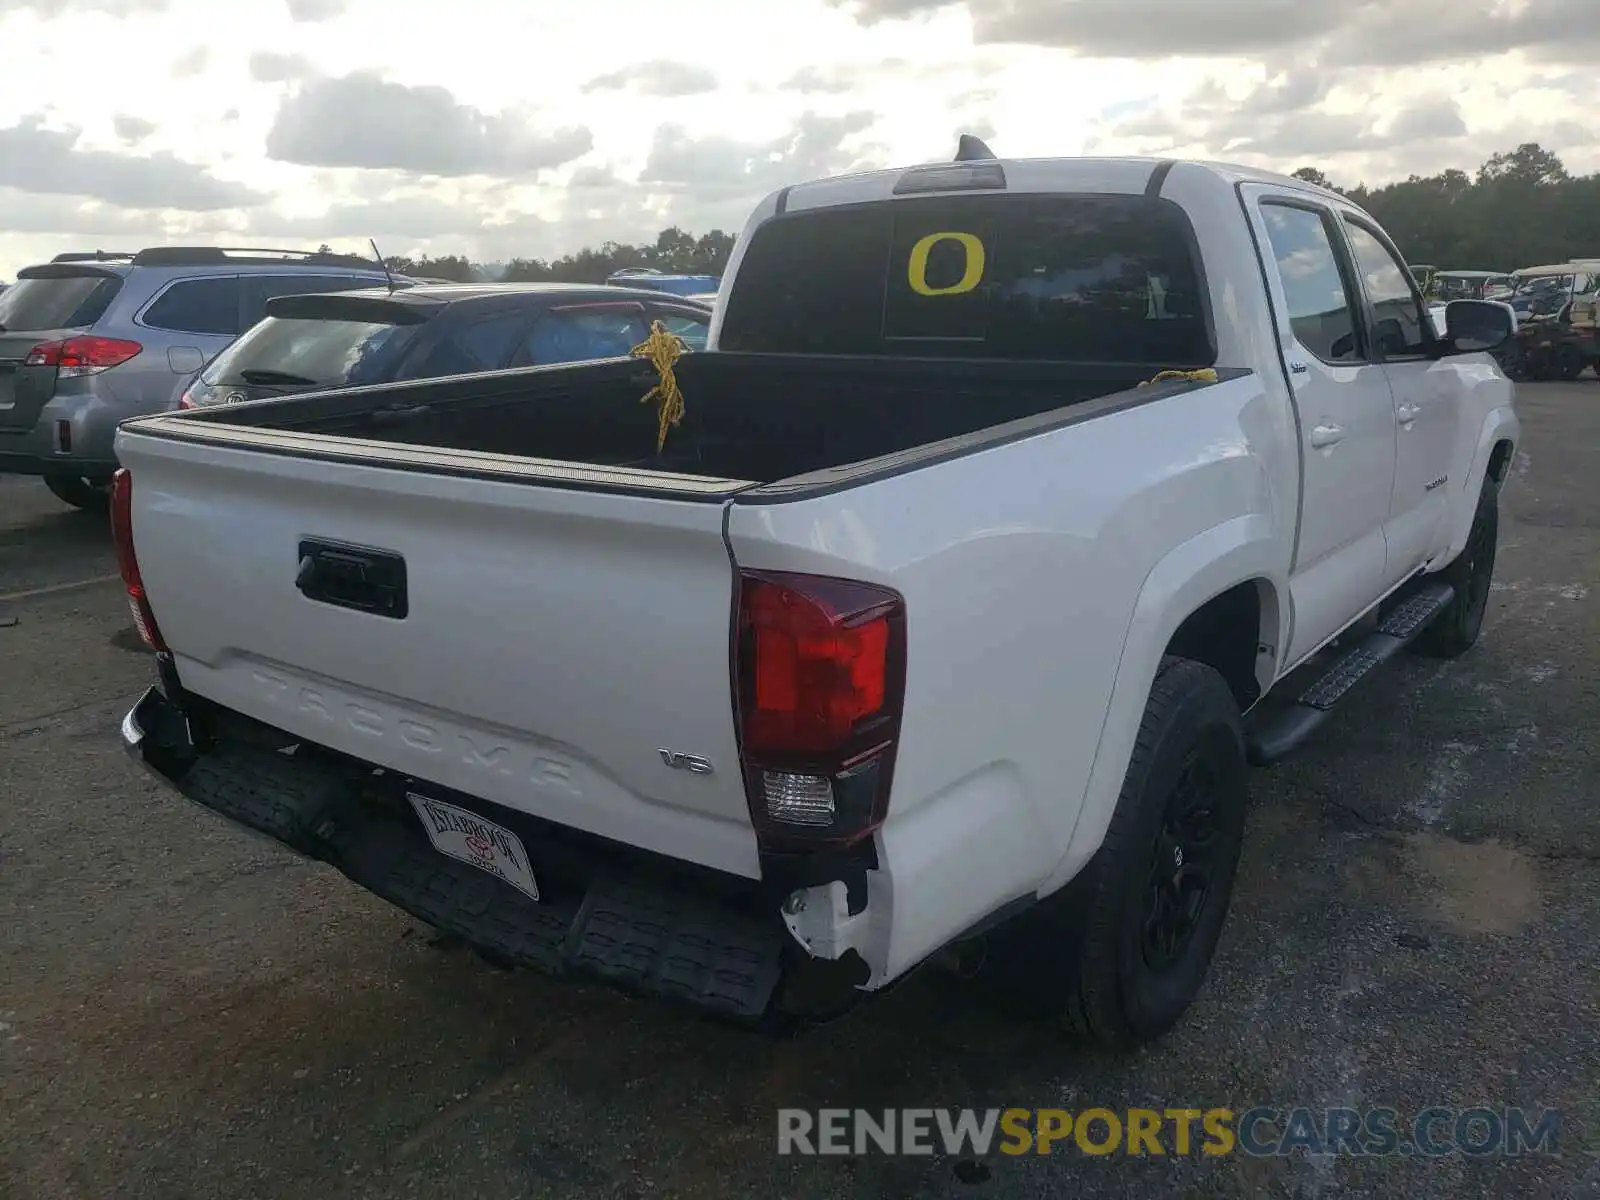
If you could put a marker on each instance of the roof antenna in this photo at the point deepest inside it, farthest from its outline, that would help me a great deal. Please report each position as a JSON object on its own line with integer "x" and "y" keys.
{"x": 971, "y": 149}
{"x": 371, "y": 242}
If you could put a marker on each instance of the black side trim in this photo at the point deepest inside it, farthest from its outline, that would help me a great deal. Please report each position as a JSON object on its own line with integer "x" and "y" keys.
{"x": 1158, "y": 178}
{"x": 828, "y": 483}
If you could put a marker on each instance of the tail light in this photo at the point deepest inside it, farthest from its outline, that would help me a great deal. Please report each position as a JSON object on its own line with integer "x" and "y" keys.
{"x": 821, "y": 683}
{"x": 128, "y": 562}
{"x": 76, "y": 356}
{"x": 186, "y": 400}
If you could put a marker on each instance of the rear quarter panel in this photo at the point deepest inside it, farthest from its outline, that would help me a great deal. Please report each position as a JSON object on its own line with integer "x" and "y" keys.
{"x": 1023, "y": 567}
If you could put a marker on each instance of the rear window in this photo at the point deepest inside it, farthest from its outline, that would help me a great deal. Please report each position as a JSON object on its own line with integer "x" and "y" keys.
{"x": 61, "y": 302}
{"x": 1055, "y": 278}
{"x": 328, "y": 353}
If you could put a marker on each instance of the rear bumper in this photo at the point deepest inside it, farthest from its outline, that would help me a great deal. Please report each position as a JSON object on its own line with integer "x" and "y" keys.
{"x": 604, "y": 911}
{"x": 90, "y": 426}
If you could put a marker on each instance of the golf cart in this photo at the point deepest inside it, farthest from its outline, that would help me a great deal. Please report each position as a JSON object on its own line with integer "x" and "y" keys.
{"x": 1558, "y": 334}
{"x": 1445, "y": 286}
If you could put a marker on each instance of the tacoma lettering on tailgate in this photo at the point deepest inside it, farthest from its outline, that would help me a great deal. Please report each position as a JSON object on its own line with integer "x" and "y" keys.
{"x": 478, "y": 751}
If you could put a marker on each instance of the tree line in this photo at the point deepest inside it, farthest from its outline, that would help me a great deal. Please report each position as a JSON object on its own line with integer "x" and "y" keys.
{"x": 674, "y": 252}
{"x": 1521, "y": 208}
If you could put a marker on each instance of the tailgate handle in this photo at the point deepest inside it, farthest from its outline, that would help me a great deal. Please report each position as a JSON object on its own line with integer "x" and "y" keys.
{"x": 354, "y": 577}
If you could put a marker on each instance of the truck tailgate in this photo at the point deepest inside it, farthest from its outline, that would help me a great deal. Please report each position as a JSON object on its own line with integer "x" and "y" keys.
{"x": 554, "y": 641}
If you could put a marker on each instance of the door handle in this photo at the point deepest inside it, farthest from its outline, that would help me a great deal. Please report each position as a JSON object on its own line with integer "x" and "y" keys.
{"x": 1407, "y": 413}
{"x": 1323, "y": 436}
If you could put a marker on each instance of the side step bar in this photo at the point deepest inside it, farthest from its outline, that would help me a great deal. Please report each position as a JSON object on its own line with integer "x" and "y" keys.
{"x": 1284, "y": 732}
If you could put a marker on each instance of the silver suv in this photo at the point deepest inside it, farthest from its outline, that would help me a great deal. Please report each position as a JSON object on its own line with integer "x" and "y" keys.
{"x": 88, "y": 340}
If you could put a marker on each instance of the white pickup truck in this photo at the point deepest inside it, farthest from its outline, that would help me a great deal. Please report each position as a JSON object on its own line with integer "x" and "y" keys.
{"x": 943, "y": 619}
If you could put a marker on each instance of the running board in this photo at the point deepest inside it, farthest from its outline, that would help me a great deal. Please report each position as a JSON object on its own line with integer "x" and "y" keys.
{"x": 1287, "y": 730}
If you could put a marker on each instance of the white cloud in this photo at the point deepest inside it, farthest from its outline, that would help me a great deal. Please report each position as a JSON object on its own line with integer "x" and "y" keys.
{"x": 533, "y": 130}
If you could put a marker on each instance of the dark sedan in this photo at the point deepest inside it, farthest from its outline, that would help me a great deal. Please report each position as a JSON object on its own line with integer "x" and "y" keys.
{"x": 347, "y": 339}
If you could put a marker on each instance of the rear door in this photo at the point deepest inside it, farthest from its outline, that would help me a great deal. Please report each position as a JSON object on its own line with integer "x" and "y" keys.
{"x": 192, "y": 319}
{"x": 1344, "y": 410}
{"x": 45, "y": 304}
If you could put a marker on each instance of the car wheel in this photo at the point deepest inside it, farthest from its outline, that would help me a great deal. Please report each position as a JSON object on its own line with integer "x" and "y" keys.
{"x": 1453, "y": 631}
{"x": 81, "y": 493}
{"x": 1122, "y": 952}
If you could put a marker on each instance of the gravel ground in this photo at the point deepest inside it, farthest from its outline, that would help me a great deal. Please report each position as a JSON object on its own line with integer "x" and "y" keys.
{"x": 186, "y": 1013}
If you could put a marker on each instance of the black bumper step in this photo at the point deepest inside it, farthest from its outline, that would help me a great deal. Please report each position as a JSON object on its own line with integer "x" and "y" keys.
{"x": 1282, "y": 732}
{"x": 646, "y": 938}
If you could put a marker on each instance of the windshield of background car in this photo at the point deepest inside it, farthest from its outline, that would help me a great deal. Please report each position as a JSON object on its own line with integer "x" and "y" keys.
{"x": 57, "y": 301}
{"x": 329, "y": 353}
{"x": 1054, "y": 278}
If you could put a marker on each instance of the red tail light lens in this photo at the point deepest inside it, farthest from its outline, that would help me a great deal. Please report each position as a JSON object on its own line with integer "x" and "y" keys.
{"x": 128, "y": 562}
{"x": 75, "y": 356}
{"x": 186, "y": 401}
{"x": 821, "y": 680}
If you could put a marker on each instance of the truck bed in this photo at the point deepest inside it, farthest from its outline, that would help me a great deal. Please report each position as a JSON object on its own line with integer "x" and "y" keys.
{"x": 758, "y": 418}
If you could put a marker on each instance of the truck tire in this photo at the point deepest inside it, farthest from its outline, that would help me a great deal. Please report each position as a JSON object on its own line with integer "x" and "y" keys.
{"x": 79, "y": 492}
{"x": 1140, "y": 923}
{"x": 1455, "y": 629}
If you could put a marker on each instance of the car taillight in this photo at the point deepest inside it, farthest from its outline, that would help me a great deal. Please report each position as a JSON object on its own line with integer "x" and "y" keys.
{"x": 76, "y": 356}
{"x": 128, "y": 562}
{"x": 185, "y": 401}
{"x": 820, "y": 686}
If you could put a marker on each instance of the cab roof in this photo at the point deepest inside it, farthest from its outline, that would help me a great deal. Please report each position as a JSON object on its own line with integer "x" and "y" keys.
{"x": 1129, "y": 175}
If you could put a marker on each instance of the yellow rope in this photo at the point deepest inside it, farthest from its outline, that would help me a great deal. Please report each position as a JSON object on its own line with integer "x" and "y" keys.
{"x": 662, "y": 349}
{"x": 1204, "y": 375}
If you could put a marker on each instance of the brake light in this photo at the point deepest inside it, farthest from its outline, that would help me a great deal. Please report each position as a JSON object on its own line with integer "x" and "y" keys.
{"x": 76, "y": 356}
{"x": 185, "y": 400}
{"x": 128, "y": 562}
{"x": 821, "y": 683}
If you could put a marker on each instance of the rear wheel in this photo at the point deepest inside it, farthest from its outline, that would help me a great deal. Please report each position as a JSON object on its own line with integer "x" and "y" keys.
{"x": 1570, "y": 363}
{"x": 1123, "y": 951}
{"x": 1454, "y": 631}
{"x": 79, "y": 492}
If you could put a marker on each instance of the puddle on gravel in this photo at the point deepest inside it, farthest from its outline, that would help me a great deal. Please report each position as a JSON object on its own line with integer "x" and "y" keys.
{"x": 1480, "y": 887}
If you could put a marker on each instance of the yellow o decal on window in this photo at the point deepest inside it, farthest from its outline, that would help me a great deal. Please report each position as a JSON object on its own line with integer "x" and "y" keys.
{"x": 917, "y": 268}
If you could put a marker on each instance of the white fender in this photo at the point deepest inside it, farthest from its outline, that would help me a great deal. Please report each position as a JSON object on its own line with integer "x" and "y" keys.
{"x": 1245, "y": 548}
{"x": 1501, "y": 425}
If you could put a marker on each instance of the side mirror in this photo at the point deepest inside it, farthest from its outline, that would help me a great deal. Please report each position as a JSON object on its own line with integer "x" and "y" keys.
{"x": 1472, "y": 326}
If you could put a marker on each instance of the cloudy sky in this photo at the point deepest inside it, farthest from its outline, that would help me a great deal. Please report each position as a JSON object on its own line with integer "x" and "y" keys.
{"x": 499, "y": 128}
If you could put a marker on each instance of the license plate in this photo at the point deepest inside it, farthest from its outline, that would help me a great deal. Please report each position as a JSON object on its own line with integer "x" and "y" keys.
{"x": 467, "y": 837}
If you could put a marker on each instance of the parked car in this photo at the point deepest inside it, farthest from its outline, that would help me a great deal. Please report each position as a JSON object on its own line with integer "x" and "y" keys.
{"x": 92, "y": 338}
{"x": 653, "y": 280}
{"x": 1016, "y": 507}
{"x": 348, "y": 339}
